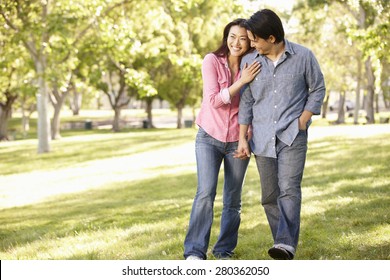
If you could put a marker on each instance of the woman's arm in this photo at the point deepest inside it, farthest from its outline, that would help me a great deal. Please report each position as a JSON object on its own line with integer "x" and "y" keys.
{"x": 247, "y": 75}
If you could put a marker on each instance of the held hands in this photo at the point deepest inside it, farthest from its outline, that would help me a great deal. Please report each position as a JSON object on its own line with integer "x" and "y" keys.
{"x": 248, "y": 73}
{"x": 243, "y": 151}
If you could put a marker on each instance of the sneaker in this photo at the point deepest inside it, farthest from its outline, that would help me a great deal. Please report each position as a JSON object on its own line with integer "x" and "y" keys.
{"x": 279, "y": 253}
{"x": 194, "y": 258}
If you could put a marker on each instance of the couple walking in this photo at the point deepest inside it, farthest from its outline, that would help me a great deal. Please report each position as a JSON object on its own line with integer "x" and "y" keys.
{"x": 259, "y": 93}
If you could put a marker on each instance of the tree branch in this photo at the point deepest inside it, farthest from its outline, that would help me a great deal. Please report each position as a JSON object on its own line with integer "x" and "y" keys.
{"x": 91, "y": 24}
{"x": 8, "y": 21}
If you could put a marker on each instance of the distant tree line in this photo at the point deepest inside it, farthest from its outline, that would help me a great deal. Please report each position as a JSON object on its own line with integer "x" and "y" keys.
{"x": 60, "y": 51}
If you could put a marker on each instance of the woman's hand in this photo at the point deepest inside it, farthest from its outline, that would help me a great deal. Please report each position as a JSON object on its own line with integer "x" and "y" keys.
{"x": 248, "y": 73}
{"x": 243, "y": 150}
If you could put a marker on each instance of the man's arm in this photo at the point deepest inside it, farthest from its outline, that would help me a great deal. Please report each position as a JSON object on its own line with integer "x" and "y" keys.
{"x": 243, "y": 150}
{"x": 304, "y": 119}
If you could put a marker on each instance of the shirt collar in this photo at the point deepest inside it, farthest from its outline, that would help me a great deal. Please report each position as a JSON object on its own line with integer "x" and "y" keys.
{"x": 288, "y": 47}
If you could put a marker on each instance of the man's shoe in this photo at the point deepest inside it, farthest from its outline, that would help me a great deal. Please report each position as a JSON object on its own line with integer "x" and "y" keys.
{"x": 224, "y": 256}
{"x": 279, "y": 253}
{"x": 194, "y": 258}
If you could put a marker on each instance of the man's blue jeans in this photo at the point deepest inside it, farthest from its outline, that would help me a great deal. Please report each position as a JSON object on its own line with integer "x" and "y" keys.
{"x": 210, "y": 153}
{"x": 281, "y": 179}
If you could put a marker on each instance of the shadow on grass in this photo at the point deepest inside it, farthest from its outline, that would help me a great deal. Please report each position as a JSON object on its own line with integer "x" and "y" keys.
{"x": 357, "y": 230}
{"x": 124, "y": 206}
{"x": 346, "y": 198}
{"x": 351, "y": 184}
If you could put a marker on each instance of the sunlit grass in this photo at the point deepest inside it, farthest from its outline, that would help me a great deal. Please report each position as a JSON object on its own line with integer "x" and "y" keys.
{"x": 21, "y": 156}
{"x": 129, "y": 196}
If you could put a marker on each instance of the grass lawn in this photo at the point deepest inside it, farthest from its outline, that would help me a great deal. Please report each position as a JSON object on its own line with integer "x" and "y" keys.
{"x": 128, "y": 195}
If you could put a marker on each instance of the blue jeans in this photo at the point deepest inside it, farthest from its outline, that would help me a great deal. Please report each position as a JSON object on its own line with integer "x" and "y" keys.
{"x": 281, "y": 179}
{"x": 209, "y": 156}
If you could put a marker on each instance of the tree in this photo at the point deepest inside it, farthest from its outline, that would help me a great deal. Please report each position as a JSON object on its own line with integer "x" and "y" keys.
{"x": 16, "y": 79}
{"x": 369, "y": 32}
{"x": 44, "y": 28}
{"x": 124, "y": 51}
{"x": 180, "y": 83}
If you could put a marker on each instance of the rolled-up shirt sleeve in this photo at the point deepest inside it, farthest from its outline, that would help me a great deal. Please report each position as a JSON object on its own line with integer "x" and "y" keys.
{"x": 214, "y": 82}
{"x": 316, "y": 85}
{"x": 225, "y": 95}
{"x": 245, "y": 113}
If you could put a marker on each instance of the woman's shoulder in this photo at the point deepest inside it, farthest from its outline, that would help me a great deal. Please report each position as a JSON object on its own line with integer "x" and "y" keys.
{"x": 212, "y": 58}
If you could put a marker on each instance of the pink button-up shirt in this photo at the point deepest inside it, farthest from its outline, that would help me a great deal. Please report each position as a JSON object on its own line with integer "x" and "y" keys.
{"x": 218, "y": 115}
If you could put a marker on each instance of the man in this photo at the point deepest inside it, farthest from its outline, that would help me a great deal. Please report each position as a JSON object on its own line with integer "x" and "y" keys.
{"x": 279, "y": 103}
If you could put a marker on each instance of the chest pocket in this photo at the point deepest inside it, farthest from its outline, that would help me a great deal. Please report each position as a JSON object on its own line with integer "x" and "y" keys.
{"x": 292, "y": 82}
{"x": 261, "y": 86}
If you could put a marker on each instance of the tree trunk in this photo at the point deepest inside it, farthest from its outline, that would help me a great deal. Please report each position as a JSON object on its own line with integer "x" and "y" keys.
{"x": 59, "y": 102}
{"x": 149, "y": 107}
{"x": 358, "y": 86}
{"x": 179, "y": 116}
{"x": 43, "y": 116}
{"x": 4, "y": 116}
{"x": 370, "y": 92}
{"x": 341, "y": 111}
{"x": 75, "y": 101}
{"x": 376, "y": 97}
{"x": 26, "y": 114}
{"x": 117, "y": 115}
{"x": 325, "y": 106}
{"x": 25, "y": 124}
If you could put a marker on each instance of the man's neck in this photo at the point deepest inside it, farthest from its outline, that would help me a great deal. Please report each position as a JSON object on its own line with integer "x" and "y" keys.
{"x": 277, "y": 51}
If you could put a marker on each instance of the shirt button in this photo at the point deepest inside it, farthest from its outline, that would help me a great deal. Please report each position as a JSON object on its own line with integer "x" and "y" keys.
{"x": 275, "y": 121}
{"x": 274, "y": 91}
{"x": 276, "y": 106}
{"x": 256, "y": 79}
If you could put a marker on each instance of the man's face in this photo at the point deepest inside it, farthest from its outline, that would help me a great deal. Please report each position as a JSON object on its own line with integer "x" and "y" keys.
{"x": 262, "y": 46}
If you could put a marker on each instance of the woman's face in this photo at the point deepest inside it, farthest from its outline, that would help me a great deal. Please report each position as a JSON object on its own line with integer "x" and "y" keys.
{"x": 237, "y": 41}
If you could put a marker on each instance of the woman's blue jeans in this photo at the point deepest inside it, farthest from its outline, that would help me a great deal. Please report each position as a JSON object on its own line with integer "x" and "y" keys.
{"x": 210, "y": 153}
{"x": 281, "y": 179}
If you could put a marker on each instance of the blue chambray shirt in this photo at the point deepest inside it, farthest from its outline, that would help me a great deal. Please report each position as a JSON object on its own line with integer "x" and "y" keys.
{"x": 276, "y": 98}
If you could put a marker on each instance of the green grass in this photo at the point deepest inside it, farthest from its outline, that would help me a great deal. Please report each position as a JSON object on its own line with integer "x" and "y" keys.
{"x": 345, "y": 211}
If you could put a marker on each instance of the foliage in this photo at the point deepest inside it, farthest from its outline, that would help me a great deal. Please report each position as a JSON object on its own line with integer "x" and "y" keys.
{"x": 359, "y": 37}
{"x": 157, "y": 45}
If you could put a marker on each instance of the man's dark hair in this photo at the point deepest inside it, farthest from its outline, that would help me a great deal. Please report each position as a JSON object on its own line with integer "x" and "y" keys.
{"x": 265, "y": 23}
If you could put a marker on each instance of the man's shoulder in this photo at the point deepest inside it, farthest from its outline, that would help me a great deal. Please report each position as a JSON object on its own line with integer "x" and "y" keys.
{"x": 249, "y": 57}
{"x": 295, "y": 48}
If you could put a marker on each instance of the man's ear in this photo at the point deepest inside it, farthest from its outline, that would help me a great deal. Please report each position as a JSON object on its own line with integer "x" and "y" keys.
{"x": 271, "y": 39}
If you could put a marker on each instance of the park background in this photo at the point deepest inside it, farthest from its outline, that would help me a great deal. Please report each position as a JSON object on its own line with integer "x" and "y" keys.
{"x": 97, "y": 108}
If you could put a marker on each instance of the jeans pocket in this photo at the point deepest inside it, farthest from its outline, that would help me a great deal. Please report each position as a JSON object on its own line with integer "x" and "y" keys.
{"x": 202, "y": 134}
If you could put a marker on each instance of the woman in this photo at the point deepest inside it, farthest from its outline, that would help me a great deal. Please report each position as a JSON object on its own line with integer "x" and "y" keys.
{"x": 216, "y": 141}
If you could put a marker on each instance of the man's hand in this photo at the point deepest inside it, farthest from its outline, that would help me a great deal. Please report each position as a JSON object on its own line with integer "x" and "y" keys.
{"x": 243, "y": 150}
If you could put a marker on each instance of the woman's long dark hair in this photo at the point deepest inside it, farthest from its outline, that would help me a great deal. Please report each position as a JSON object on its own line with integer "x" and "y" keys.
{"x": 223, "y": 49}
